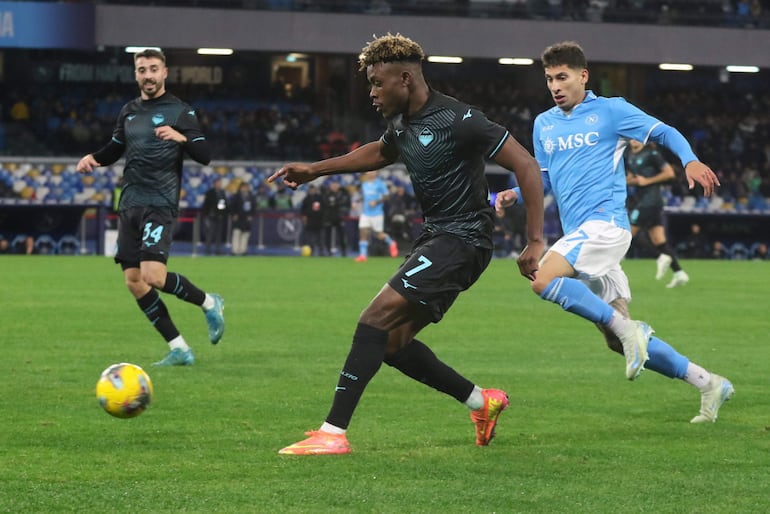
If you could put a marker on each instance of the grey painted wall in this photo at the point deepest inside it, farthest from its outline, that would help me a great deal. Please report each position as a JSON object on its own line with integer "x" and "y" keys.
{"x": 467, "y": 37}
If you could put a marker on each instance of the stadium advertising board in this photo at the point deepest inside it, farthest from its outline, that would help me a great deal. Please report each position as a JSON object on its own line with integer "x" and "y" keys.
{"x": 46, "y": 25}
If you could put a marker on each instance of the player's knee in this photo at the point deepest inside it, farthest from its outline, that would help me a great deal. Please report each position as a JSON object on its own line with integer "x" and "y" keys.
{"x": 396, "y": 342}
{"x": 136, "y": 286}
{"x": 153, "y": 279}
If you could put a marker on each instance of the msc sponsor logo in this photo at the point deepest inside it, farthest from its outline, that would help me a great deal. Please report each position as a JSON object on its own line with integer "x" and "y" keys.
{"x": 570, "y": 142}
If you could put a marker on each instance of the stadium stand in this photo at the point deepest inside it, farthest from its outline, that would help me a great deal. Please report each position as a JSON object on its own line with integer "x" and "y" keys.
{"x": 730, "y": 13}
{"x": 253, "y": 128}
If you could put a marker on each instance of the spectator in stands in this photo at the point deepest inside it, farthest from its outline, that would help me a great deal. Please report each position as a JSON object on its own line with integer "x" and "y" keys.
{"x": 243, "y": 208}
{"x": 378, "y": 7}
{"x": 743, "y": 13}
{"x": 695, "y": 245}
{"x": 215, "y": 211}
{"x": 759, "y": 252}
{"x": 335, "y": 205}
{"x": 6, "y": 189}
{"x": 283, "y": 198}
{"x": 312, "y": 219}
{"x": 162, "y": 130}
{"x": 719, "y": 250}
{"x": 400, "y": 209}
{"x": 333, "y": 144}
{"x": 757, "y": 19}
{"x": 264, "y": 198}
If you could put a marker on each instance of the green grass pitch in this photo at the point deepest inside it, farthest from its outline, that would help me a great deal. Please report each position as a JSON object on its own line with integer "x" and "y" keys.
{"x": 577, "y": 438}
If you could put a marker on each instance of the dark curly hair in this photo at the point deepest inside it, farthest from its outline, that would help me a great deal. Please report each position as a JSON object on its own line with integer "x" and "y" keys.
{"x": 390, "y": 48}
{"x": 566, "y": 52}
{"x": 150, "y": 53}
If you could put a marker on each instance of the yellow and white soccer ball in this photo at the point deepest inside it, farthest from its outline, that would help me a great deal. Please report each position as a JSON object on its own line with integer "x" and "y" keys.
{"x": 124, "y": 390}
{"x": 306, "y": 251}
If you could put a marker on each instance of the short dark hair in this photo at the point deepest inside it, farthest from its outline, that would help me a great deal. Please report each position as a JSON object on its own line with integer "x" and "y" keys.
{"x": 566, "y": 52}
{"x": 390, "y": 48}
{"x": 150, "y": 53}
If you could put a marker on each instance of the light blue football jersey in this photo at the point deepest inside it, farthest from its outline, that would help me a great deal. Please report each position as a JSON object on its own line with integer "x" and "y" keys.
{"x": 373, "y": 190}
{"x": 581, "y": 155}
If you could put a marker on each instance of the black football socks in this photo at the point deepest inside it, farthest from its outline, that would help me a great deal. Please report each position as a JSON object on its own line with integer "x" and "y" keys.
{"x": 417, "y": 361}
{"x": 363, "y": 362}
{"x": 155, "y": 310}
{"x": 183, "y": 289}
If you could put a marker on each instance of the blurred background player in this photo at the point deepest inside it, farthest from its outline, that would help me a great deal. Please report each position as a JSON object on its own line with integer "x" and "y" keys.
{"x": 154, "y": 131}
{"x": 646, "y": 171}
{"x": 374, "y": 193}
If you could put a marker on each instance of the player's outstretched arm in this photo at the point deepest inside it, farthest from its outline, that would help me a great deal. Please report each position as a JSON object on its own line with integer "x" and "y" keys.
{"x": 695, "y": 170}
{"x": 294, "y": 174}
{"x": 364, "y": 158}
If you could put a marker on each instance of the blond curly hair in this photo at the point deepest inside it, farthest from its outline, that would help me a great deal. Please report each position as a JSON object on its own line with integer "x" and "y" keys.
{"x": 390, "y": 48}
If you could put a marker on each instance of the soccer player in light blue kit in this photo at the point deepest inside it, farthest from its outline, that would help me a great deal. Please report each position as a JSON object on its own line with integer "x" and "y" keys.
{"x": 374, "y": 193}
{"x": 579, "y": 145}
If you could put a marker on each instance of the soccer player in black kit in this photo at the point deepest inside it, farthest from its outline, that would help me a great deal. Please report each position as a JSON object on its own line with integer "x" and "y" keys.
{"x": 444, "y": 144}
{"x": 154, "y": 131}
{"x": 647, "y": 170}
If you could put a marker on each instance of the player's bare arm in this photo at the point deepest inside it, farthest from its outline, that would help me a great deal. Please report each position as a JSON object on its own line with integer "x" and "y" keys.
{"x": 365, "y": 158}
{"x": 698, "y": 172}
{"x": 516, "y": 158}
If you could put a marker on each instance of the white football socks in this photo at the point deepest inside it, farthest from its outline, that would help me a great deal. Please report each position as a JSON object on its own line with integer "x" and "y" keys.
{"x": 208, "y": 303}
{"x": 331, "y": 429}
{"x": 697, "y": 376}
{"x": 476, "y": 399}
{"x": 618, "y": 323}
{"x": 178, "y": 342}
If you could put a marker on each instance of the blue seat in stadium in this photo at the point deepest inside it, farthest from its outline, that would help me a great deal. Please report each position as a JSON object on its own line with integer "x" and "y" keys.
{"x": 739, "y": 251}
{"x": 45, "y": 245}
{"x": 69, "y": 245}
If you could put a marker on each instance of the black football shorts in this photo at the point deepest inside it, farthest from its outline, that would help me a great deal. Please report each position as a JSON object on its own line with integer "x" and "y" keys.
{"x": 437, "y": 269}
{"x": 646, "y": 217}
{"x": 144, "y": 234}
